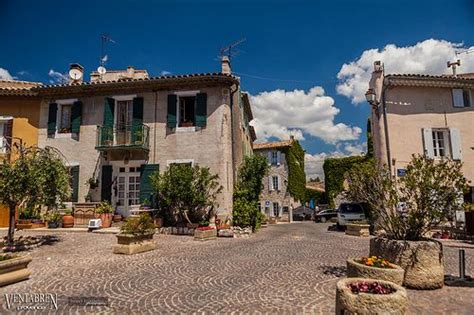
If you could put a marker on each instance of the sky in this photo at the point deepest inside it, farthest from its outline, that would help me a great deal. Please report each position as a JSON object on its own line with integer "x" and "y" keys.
{"x": 306, "y": 64}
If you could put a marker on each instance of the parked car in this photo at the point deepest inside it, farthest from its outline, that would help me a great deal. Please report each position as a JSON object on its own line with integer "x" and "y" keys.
{"x": 325, "y": 215}
{"x": 302, "y": 213}
{"x": 350, "y": 212}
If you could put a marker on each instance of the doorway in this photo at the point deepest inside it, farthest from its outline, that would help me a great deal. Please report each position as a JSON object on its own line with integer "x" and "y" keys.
{"x": 128, "y": 189}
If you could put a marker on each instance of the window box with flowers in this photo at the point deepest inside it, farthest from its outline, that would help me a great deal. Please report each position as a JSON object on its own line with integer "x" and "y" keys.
{"x": 204, "y": 233}
{"x": 375, "y": 268}
{"x": 370, "y": 296}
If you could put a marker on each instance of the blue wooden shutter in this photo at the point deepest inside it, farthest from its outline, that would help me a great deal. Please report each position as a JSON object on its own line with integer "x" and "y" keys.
{"x": 76, "y": 117}
{"x": 137, "y": 130}
{"x": 201, "y": 109}
{"x": 146, "y": 189}
{"x": 171, "y": 117}
{"x": 52, "y": 114}
{"x": 75, "y": 183}
{"x": 106, "y": 183}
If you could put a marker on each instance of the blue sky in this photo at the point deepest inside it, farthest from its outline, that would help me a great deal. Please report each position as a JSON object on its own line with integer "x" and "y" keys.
{"x": 290, "y": 45}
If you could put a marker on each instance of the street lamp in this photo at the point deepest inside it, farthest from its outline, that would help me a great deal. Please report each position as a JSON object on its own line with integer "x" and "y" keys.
{"x": 371, "y": 97}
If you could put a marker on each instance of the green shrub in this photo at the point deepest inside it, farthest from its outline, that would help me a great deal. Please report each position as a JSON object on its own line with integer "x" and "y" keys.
{"x": 138, "y": 225}
{"x": 104, "y": 208}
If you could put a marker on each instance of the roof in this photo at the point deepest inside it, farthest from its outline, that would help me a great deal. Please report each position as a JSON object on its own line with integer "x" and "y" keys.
{"x": 156, "y": 83}
{"x": 272, "y": 145}
{"x": 17, "y": 88}
{"x": 445, "y": 80}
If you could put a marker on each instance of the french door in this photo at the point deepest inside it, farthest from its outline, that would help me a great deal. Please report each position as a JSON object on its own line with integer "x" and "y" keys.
{"x": 128, "y": 192}
{"x": 124, "y": 121}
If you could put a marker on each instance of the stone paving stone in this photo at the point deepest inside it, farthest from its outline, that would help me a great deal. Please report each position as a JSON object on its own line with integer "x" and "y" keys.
{"x": 290, "y": 268}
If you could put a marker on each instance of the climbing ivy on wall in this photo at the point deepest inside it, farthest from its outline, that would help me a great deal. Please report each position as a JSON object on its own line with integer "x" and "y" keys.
{"x": 296, "y": 175}
{"x": 334, "y": 171}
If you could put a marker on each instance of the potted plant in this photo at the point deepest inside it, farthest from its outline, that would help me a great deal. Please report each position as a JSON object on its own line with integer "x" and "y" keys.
{"x": 406, "y": 209}
{"x": 68, "y": 219}
{"x": 370, "y": 296}
{"x": 54, "y": 219}
{"x": 93, "y": 183}
{"x": 205, "y": 232}
{"x": 138, "y": 135}
{"x": 146, "y": 204}
{"x": 136, "y": 236}
{"x": 13, "y": 268}
{"x": 105, "y": 210}
{"x": 374, "y": 268}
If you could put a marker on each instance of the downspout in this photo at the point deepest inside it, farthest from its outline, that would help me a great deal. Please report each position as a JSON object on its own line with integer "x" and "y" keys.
{"x": 385, "y": 124}
{"x": 154, "y": 127}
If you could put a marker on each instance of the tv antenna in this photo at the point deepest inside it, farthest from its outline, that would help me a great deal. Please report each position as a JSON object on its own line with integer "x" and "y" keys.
{"x": 104, "y": 39}
{"x": 230, "y": 50}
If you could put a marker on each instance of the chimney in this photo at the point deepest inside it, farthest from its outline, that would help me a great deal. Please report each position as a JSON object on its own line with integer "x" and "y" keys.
{"x": 130, "y": 71}
{"x": 378, "y": 66}
{"x": 225, "y": 62}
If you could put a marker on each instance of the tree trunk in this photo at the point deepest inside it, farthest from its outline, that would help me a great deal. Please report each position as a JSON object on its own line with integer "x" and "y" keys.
{"x": 11, "y": 227}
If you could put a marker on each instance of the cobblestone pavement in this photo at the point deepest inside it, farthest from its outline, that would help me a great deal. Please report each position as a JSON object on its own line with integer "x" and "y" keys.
{"x": 287, "y": 268}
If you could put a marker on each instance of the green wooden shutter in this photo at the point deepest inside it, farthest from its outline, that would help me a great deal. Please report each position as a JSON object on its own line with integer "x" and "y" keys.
{"x": 201, "y": 109}
{"x": 137, "y": 130}
{"x": 75, "y": 183}
{"x": 108, "y": 127}
{"x": 76, "y": 117}
{"x": 106, "y": 183}
{"x": 171, "y": 118}
{"x": 146, "y": 189}
{"x": 53, "y": 110}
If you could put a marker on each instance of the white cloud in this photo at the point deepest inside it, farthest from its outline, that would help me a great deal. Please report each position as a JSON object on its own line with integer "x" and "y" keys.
{"x": 57, "y": 77}
{"x": 165, "y": 73}
{"x": 314, "y": 162}
{"x": 5, "y": 75}
{"x": 426, "y": 57}
{"x": 280, "y": 113}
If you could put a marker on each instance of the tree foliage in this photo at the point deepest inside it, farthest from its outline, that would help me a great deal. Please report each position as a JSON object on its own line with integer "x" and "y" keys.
{"x": 247, "y": 191}
{"x": 186, "y": 193}
{"x": 409, "y": 207}
{"x": 296, "y": 174}
{"x": 37, "y": 177}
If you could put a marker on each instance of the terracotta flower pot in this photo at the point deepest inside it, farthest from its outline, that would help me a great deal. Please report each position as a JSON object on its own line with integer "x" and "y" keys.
{"x": 159, "y": 222}
{"x": 68, "y": 221}
{"x": 106, "y": 219}
{"x": 117, "y": 218}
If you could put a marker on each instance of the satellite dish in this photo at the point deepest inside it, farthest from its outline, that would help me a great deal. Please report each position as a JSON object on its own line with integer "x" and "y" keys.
{"x": 75, "y": 74}
{"x": 101, "y": 70}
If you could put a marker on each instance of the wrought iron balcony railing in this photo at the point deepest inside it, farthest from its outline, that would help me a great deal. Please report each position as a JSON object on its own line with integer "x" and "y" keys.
{"x": 135, "y": 136}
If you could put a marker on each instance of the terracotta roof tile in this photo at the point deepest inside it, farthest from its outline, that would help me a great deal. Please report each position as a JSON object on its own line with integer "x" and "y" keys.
{"x": 272, "y": 145}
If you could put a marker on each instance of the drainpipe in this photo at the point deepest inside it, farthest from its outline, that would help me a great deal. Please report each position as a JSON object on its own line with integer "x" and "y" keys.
{"x": 385, "y": 124}
{"x": 154, "y": 127}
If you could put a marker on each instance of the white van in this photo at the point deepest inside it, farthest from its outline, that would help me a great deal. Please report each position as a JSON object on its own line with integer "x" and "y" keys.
{"x": 350, "y": 212}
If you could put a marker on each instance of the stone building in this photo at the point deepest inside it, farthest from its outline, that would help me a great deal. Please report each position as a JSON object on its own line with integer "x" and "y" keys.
{"x": 275, "y": 201}
{"x": 422, "y": 114}
{"x": 122, "y": 126}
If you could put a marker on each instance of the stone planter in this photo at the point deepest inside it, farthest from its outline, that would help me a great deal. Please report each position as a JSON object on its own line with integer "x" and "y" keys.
{"x": 130, "y": 244}
{"x": 421, "y": 260}
{"x": 358, "y": 229}
{"x": 14, "y": 270}
{"x": 204, "y": 235}
{"x": 358, "y": 270}
{"x": 368, "y": 303}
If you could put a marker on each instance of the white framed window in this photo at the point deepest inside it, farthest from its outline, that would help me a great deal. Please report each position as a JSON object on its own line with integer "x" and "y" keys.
{"x": 275, "y": 183}
{"x": 64, "y": 116}
{"x": 186, "y": 110}
{"x": 461, "y": 98}
{"x": 440, "y": 143}
{"x": 274, "y": 157}
{"x": 5, "y": 132}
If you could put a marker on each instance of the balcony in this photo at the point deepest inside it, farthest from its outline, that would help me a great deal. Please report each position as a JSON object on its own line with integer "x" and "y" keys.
{"x": 132, "y": 137}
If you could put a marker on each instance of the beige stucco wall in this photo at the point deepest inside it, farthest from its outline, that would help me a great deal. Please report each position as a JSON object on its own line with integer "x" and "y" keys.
{"x": 412, "y": 108}
{"x": 211, "y": 146}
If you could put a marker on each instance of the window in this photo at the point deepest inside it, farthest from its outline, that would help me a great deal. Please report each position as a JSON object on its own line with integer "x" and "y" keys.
{"x": 124, "y": 114}
{"x": 274, "y": 157}
{"x": 275, "y": 183}
{"x": 440, "y": 143}
{"x": 187, "y": 109}
{"x": 65, "y": 118}
{"x": 461, "y": 98}
{"x": 285, "y": 209}
{"x": 5, "y": 133}
{"x": 276, "y": 209}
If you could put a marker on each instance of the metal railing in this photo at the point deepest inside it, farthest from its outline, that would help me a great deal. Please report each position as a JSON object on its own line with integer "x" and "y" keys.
{"x": 118, "y": 136}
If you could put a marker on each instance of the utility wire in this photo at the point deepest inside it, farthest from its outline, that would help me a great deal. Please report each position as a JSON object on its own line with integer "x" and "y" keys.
{"x": 283, "y": 80}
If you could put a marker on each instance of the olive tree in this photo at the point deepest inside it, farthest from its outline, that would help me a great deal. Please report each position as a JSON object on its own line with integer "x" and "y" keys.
{"x": 186, "y": 193}
{"x": 410, "y": 206}
{"x": 35, "y": 177}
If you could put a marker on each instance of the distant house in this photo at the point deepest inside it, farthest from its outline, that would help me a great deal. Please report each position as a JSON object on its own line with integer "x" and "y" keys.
{"x": 422, "y": 114}
{"x": 122, "y": 126}
{"x": 276, "y": 201}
